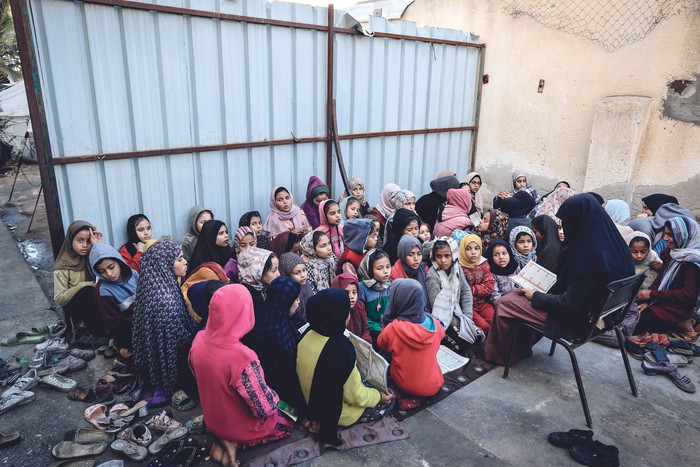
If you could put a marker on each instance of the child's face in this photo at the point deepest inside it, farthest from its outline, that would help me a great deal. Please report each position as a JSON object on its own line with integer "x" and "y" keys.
{"x": 222, "y": 236}
{"x": 646, "y": 210}
{"x": 473, "y": 252}
{"x": 109, "y": 269}
{"x": 283, "y": 201}
{"x": 321, "y": 197}
{"x": 381, "y": 269}
{"x": 333, "y": 215}
{"x": 410, "y": 204}
{"x": 668, "y": 236}
{"x": 443, "y": 257}
{"x": 201, "y": 219}
{"x": 299, "y": 274}
{"x": 639, "y": 251}
{"x": 273, "y": 273}
{"x": 538, "y": 234}
{"x": 411, "y": 229}
{"x": 180, "y": 266}
{"x": 81, "y": 243}
{"x": 475, "y": 184}
{"x": 519, "y": 183}
{"x": 424, "y": 233}
{"x": 352, "y": 294}
{"x": 352, "y": 210}
{"x": 256, "y": 225}
{"x": 561, "y": 185}
{"x": 501, "y": 256}
{"x": 560, "y": 231}
{"x": 248, "y": 241}
{"x": 372, "y": 239}
{"x": 323, "y": 247}
{"x": 484, "y": 224}
{"x": 358, "y": 191}
{"x": 414, "y": 258}
{"x": 524, "y": 244}
{"x": 143, "y": 231}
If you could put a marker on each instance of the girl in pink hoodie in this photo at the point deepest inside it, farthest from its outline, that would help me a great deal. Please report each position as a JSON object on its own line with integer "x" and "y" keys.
{"x": 330, "y": 217}
{"x": 239, "y": 407}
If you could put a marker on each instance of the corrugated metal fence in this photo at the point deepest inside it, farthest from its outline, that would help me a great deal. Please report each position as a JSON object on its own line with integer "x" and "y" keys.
{"x": 157, "y": 107}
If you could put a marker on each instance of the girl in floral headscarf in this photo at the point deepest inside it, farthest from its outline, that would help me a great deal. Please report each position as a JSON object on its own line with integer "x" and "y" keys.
{"x": 243, "y": 239}
{"x": 493, "y": 225}
{"x": 322, "y": 263}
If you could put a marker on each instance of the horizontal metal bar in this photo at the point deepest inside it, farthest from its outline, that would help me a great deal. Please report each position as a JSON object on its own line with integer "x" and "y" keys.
{"x": 254, "y": 144}
{"x": 265, "y": 21}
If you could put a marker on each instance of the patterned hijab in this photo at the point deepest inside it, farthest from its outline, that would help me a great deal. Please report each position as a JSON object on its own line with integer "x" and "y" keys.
{"x": 519, "y": 257}
{"x": 67, "y": 257}
{"x": 686, "y": 236}
{"x": 551, "y": 204}
{"x": 477, "y": 199}
{"x": 251, "y": 264}
{"x": 498, "y": 227}
{"x": 240, "y": 233}
{"x": 365, "y": 274}
{"x": 354, "y": 183}
{"x": 321, "y": 271}
{"x": 402, "y": 197}
{"x": 287, "y": 263}
{"x": 161, "y": 326}
{"x": 386, "y": 206}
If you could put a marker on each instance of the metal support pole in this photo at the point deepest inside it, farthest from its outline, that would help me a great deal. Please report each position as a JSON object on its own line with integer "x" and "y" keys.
{"x": 477, "y": 106}
{"x": 329, "y": 99}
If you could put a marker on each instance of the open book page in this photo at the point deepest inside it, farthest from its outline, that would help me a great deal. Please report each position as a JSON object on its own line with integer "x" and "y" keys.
{"x": 372, "y": 367}
{"x": 475, "y": 218}
{"x": 534, "y": 277}
{"x": 449, "y": 360}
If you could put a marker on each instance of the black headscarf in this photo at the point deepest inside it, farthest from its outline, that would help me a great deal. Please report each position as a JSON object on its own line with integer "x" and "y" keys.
{"x": 655, "y": 201}
{"x": 401, "y": 219}
{"x": 207, "y": 250}
{"x": 548, "y": 248}
{"x": 495, "y": 268}
{"x": 597, "y": 197}
{"x": 592, "y": 244}
{"x": 131, "y": 232}
{"x": 245, "y": 219}
{"x": 407, "y": 302}
{"x": 200, "y": 295}
{"x": 518, "y": 205}
{"x": 326, "y": 313}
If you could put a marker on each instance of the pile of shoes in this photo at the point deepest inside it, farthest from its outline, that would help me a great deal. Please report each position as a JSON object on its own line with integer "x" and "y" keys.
{"x": 662, "y": 355}
{"x": 584, "y": 449}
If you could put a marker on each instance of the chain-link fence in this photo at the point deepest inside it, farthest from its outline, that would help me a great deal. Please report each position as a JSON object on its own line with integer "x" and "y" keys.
{"x": 611, "y": 23}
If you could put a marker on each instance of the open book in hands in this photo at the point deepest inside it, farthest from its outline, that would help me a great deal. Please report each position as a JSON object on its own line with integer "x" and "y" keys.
{"x": 534, "y": 277}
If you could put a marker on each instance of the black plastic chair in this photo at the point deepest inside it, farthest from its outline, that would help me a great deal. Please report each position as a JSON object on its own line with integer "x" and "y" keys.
{"x": 607, "y": 313}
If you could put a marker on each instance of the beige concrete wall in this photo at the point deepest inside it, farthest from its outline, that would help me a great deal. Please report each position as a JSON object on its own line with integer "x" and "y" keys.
{"x": 548, "y": 134}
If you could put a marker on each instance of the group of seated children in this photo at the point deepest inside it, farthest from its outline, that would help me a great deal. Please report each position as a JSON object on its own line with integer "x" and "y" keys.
{"x": 218, "y": 313}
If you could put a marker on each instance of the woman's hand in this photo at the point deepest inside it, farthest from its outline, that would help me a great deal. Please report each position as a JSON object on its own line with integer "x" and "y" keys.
{"x": 503, "y": 194}
{"x": 527, "y": 292}
{"x": 642, "y": 306}
{"x": 643, "y": 295}
{"x": 139, "y": 246}
{"x": 656, "y": 265}
{"x": 386, "y": 398}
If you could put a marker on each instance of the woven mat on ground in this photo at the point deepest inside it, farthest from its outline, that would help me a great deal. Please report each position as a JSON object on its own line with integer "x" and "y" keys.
{"x": 454, "y": 380}
{"x": 302, "y": 447}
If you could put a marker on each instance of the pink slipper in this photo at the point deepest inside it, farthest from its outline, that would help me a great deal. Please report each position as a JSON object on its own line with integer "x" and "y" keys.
{"x": 94, "y": 413}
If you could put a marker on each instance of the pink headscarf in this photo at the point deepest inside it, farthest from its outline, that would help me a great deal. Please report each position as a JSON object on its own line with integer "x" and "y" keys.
{"x": 335, "y": 233}
{"x": 476, "y": 197}
{"x": 274, "y": 225}
{"x": 551, "y": 204}
{"x": 456, "y": 213}
{"x": 385, "y": 205}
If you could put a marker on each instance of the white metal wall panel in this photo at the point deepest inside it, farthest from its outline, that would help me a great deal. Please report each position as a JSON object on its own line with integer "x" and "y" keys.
{"x": 121, "y": 80}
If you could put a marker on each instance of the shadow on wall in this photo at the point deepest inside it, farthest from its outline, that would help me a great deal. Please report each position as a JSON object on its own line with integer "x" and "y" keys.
{"x": 683, "y": 101}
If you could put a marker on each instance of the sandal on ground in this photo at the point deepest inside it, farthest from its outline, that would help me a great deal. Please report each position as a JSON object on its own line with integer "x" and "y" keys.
{"x": 71, "y": 449}
{"x": 89, "y": 435}
{"x": 167, "y": 438}
{"x": 94, "y": 413}
{"x": 58, "y": 382}
{"x": 22, "y": 338}
{"x": 196, "y": 425}
{"x": 569, "y": 439}
{"x": 15, "y": 399}
{"x": 596, "y": 454}
{"x": 681, "y": 347}
{"x": 167, "y": 455}
{"x": 181, "y": 401}
{"x": 139, "y": 434}
{"x": 81, "y": 394}
{"x": 671, "y": 371}
{"x": 655, "y": 353}
{"x": 162, "y": 423}
{"x": 10, "y": 439}
{"x": 39, "y": 330}
{"x": 129, "y": 449}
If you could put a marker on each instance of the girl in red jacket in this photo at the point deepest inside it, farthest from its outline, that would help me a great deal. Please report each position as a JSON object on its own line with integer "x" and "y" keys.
{"x": 477, "y": 272}
{"x": 413, "y": 339}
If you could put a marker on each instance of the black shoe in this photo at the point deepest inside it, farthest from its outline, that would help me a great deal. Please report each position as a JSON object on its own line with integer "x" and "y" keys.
{"x": 88, "y": 341}
{"x": 121, "y": 370}
{"x": 570, "y": 438}
{"x": 596, "y": 454}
